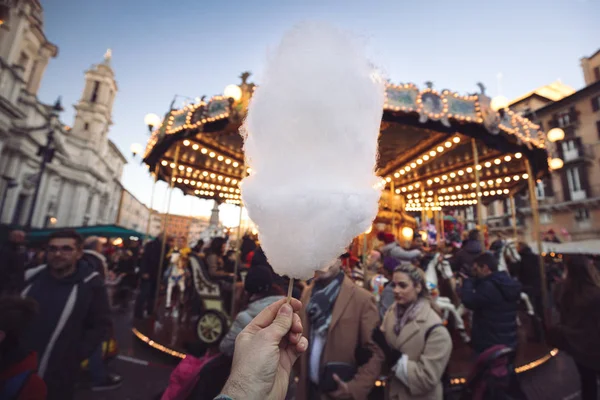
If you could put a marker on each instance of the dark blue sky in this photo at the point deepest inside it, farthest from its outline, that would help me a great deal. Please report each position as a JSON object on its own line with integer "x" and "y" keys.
{"x": 194, "y": 48}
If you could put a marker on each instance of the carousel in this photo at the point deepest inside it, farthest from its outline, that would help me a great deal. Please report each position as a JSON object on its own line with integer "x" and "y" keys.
{"x": 443, "y": 157}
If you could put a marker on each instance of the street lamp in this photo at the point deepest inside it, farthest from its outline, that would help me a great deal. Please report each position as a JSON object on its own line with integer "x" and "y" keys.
{"x": 136, "y": 149}
{"x": 555, "y": 163}
{"x": 233, "y": 92}
{"x": 499, "y": 103}
{"x": 152, "y": 121}
{"x": 556, "y": 134}
{"x": 47, "y": 154}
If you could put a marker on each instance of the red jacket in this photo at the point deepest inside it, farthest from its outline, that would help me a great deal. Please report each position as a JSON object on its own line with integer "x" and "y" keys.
{"x": 34, "y": 387}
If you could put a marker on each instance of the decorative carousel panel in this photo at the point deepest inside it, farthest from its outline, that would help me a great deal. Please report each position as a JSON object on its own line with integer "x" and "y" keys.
{"x": 490, "y": 118}
{"x": 218, "y": 108}
{"x": 462, "y": 108}
{"x": 402, "y": 97}
{"x": 177, "y": 121}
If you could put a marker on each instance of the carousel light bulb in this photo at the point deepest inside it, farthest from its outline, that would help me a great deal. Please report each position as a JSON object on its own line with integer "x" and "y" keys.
{"x": 525, "y": 176}
{"x": 235, "y": 164}
{"x": 456, "y": 140}
{"x": 211, "y": 154}
{"x": 466, "y": 186}
{"x": 479, "y": 167}
{"x": 440, "y": 149}
{"x": 410, "y": 187}
{"x": 448, "y": 144}
{"x": 457, "y": 187}
{"x": 403, "y": 190}
{"x": 227, "y": 161}
{"x": 488, "y": 164}
{"x": 556, "y": 163}
{"x": 493, "y": 193}
{"x": 413, "y": 165}
{"x": 203, "y": 151}
{"x": 407, "y": 168}
{"x": 407, "y": 233}
{"x": 452, "y": 175}
{"x": 506, "y": 191}
{"x": 409, "y": 196}
{"x": 486, "y": 193}
{"x": 461, "y": 172}
{"x": 189, "y": 169}
{"x": 507, "y": 179}
{"x": 499, "y": 180}
{"x": 402, "y": 172}
{"x": 186, "y": 143}
{"x": 388, "y": 179}
{"x": 172, "y": 165}
{"x": 556, "y": 134}
{"x": 518, "y": 155}
{"x": 516, "y": 178}
{"x": 436, "y": 179}
{"x": 181, "y": 167}
{"x": 233, "y": 92}
{"x": 419, "y": 161}
{"x": 469, "y": 170}
{"x": 429, "y": 181}
{"x": 396, "y": 175}
{"x": 497, "y": 161}
{"x": 164, "y": 163}
{"x": 425, "y": 157}
{"x": 220, "y": 158}
{"x": 507, "y": 158}
{"x": 444, "y": 177}
{"x": 432, "y": 153}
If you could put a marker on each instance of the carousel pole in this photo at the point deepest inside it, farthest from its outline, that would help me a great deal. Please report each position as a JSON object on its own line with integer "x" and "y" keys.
{"x": 151, "y": 203}
{"x": 161, "y": 260}
{"x": 423, "y": 211}
{"x": 477, "y": 189}
{"x": 513, "y": 211}
{"x": 536, "y": 232}
{"x": 392, "y": 207}
{"x": 436, "y": 218}
{"x": 238, "y": 261}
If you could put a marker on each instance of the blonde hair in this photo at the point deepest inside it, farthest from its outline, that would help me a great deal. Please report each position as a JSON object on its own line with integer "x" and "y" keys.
{"x": 417, "y": 276}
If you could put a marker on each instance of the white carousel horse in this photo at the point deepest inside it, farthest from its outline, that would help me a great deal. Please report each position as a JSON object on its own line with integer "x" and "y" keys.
{"x": 175, "y": 277}
{"x": 442, "y": 266}
{"x": 508, "y": 252}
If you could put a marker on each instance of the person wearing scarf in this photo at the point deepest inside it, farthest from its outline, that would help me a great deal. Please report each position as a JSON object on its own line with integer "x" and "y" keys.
{"x": 338, "y": 319}
{"x": 416, "y": 344}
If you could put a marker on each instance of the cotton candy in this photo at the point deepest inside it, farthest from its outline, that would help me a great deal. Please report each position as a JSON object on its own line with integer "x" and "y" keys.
{"x": 310, "y": 139}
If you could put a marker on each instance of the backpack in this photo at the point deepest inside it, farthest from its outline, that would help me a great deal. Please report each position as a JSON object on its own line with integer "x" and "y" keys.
{"x": 12, "y": 387}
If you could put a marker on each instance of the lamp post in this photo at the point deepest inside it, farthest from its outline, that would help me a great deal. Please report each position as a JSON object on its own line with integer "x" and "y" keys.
{"x": 47, "y": 154}
{"x": 10, "y": 183}
{"x": 152, "y": 121}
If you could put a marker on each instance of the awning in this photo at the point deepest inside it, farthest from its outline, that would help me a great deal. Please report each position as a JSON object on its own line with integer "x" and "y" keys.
{"x": 109, "y": 231}
{"x": 590, "y": 247}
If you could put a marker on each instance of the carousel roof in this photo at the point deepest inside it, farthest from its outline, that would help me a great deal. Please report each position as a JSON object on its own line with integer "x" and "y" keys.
{"x": 425, "y": 146}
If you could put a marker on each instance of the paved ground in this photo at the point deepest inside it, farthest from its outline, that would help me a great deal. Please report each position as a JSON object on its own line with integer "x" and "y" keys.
{"x": 146, "y": 372}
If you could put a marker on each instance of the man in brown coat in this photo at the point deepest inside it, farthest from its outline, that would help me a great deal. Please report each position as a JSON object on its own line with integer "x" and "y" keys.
{"x": 338, "y": 318}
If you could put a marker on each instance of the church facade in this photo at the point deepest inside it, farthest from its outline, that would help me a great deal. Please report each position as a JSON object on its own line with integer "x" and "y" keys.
{"x": 81, "y": 185}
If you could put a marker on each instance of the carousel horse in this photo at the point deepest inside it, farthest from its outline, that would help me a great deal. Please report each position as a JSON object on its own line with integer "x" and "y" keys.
{"x": 441, "y": 266}
{"x": 176, "y": 275}
{"x": 507, "y": 253}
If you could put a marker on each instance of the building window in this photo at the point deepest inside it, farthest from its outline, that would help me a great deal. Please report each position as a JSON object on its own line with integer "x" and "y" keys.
{"x": 582, "y": 214}
{"x": 95, "y": 92}
{"x": 596, "y": 103}
{"x": 539, "y": 188}
{"x": 86, "y": 126}
{"x": 19, "y": 212}
{"x": 545, "y": 217}
{"x": 564, "y": 119}
{"x": 574, "y": 182}
{"x": 570, "y": 150}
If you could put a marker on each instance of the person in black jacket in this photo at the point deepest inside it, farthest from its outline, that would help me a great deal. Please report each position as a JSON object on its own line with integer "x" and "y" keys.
{"x": 12, "y": 263}
{"x": 471, "y": 248}
{"x": 73, "y": 317}
{"x": 493, "y": 296}
{"x": 149, "y": 270}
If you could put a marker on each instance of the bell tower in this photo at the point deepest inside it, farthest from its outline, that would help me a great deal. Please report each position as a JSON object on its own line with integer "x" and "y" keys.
{"x": 94, "y": 109}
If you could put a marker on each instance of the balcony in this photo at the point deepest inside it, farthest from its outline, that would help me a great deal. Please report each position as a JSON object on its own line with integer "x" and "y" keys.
{"x": 578, "y": 195}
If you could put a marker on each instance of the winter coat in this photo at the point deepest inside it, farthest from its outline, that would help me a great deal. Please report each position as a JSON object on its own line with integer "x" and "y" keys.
{"x": 426, "y": 359}
{"x": 19, "y": 368}
{"x": 97, "y": 261}
{"x": 72, "y": 321}
{"x": 150, "y": 261}
{"x": 353, "y": 319}
{"x": 494, "y": 301}
{"x": 12, "y": 268}
{"x": 464, "y": 258}
{"x": 396, "y": 251}
{"x": 243, "y": 318}
{"x": 578, "y": 332}
{"x": 529, "y": 272}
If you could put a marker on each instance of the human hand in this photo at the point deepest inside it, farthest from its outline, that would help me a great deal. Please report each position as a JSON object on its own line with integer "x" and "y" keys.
{"x": 342, "y": 392}
{"x": 265, "y": 352}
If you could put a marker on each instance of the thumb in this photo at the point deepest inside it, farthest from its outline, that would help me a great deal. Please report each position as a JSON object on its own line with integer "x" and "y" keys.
{"x": 281, "y": 324}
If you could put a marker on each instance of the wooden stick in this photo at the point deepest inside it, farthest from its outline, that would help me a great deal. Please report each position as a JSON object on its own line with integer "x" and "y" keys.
{"x": 290, "y": 287}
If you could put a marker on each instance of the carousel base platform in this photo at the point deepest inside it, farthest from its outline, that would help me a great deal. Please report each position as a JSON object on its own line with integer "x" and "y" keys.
{"x": 173, "y": 333}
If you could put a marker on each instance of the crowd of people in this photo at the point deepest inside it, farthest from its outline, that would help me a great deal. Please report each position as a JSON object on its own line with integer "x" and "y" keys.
{"x": 394, "y": 317}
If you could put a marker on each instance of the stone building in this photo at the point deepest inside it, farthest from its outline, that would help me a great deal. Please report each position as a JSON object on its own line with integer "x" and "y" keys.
{"x": 132, "y": 214}
{"x": 81, "y": 185}
{"x": 570, "y": 198}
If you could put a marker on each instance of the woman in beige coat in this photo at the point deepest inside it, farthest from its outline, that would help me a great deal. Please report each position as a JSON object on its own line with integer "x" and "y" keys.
{"x": 421, "y": 344}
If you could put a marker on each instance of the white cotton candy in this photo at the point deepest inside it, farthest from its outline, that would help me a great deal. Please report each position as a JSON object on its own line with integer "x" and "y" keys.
{"x": 311, "y": 142}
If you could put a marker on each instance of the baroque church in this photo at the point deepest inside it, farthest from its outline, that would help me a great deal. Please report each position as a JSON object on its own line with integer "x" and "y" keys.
{"x": 81, "y": 184}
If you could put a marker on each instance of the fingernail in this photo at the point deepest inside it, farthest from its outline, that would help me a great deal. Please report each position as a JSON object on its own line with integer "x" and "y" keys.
{"x": 285, "y": 310}
{"x": 303, "y": 344}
